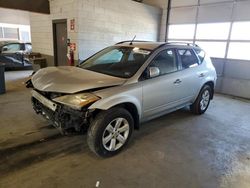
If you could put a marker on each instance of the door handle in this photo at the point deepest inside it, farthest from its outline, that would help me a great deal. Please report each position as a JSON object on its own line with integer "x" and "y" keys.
{"x": 202, "y": 75}
{"x": 178, "y": 81}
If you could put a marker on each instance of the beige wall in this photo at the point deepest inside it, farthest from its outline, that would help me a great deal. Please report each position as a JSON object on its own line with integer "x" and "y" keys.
{"x": 41, "y": 33}
{"x": 12, "y": 16}
{"x": 163, "y": 4}
{"x": 98, "y": 24}
{"x": 158, "y": 3}
{"x": 103, "y": 23}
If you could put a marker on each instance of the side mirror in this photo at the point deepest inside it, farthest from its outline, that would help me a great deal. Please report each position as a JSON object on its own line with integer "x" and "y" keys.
{"x": 154, "y": 72}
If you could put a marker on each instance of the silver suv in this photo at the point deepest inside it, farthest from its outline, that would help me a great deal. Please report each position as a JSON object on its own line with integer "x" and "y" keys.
{"x": 116, "y": 89}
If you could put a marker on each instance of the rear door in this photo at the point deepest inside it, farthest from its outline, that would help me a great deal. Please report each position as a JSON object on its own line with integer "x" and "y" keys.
{"x": 191, "y": 73}
{"x": 163, "y": 92}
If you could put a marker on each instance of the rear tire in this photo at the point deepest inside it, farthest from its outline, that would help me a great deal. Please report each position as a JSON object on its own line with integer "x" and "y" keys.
{"x": 203, "y": 100}
{"x": 110, "y": 132}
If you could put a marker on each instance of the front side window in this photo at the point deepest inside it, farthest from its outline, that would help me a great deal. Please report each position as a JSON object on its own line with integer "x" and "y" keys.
{"x": 117, "y": 61}
{"x": 188, "y": 58}
{"x": 165, "y": 61}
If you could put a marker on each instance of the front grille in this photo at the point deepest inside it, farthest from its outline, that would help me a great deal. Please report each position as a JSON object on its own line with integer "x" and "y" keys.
{"x": 45, "y": 112}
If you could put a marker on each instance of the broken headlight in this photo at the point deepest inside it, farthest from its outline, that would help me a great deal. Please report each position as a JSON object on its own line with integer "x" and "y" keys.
{"x": 77, "y": 101}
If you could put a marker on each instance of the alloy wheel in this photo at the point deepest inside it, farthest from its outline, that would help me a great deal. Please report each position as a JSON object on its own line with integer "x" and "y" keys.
{"x": 115, "y": 134}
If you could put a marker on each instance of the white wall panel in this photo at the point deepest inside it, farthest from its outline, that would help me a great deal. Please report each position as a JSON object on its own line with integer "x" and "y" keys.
{"x": 183, "y": 15}
{"x": 12, "y": 16}
{"x": 214, "y": 1}
{"x": 158, "y": 3}
{"x": 242, "y": 11}
{"x": 215, "y": 13}
{"x": 181, "y": 3}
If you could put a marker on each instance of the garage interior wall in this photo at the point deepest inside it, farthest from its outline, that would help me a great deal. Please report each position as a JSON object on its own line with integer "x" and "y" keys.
{"x": 97, "y": 24}
{"x": 16, "y": 22}
{"x": 163, "y": 4}
{"x": 211, "y": 17}
{"x": 12, "y": 16}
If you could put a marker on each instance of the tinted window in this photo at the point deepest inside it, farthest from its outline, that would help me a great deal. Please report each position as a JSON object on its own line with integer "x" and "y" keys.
{"x": 188, "y": 58}
{"x": 12, "y": 47}
{"x": 201, "y": 54}
{"x": 165, "y": 61}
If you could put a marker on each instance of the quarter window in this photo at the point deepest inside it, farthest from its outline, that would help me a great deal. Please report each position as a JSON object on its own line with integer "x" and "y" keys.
{"x": 165, "y": 61}
{"x": 201, "y": 54}
{"x": 28, "y": 48}
{"x": 188, "y": 58}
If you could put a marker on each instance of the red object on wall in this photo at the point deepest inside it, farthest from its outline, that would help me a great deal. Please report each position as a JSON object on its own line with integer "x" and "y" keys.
{"x": 71, "y": 60}
{"x": 72, "y": 24}
{"x": 72, "y": 46}
{"x": 72, "y": 49}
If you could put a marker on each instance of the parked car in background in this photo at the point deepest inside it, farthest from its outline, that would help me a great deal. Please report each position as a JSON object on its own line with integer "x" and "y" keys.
{"x": 115, "y": 90}
{"x": 12, "y": 54}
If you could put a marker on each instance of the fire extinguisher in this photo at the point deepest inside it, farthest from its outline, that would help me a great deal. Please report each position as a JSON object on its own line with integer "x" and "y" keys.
{"x": 70, "y": 54}
{"x": 71, "y": 57}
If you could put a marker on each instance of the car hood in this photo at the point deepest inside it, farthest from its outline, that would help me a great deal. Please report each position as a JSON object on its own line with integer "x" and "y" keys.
{"x": 71, "y": 80}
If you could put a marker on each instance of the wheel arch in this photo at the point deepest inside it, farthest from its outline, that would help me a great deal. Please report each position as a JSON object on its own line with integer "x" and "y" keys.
{"x": 133, "y": 106}
{"x": 212, "y": 85}
{"x": 132, "y": 109}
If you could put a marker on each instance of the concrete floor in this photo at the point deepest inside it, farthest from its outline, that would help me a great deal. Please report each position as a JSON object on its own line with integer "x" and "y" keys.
{"x": 177, "y": 150}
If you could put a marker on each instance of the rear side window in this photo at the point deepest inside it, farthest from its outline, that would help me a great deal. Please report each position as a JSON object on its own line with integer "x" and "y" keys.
{"x": 188, "y": 58}
{"x": 28, "y": 48}
{"x": 201, "y": 54}
{"x": 165, "y": 61}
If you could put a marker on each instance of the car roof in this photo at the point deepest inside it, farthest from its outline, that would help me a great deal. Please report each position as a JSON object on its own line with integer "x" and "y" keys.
{"x": 154, "y": 45}
{"x": 4, "y": 42}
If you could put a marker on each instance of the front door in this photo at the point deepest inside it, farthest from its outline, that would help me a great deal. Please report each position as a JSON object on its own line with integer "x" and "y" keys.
{"x": 60, "y": 42}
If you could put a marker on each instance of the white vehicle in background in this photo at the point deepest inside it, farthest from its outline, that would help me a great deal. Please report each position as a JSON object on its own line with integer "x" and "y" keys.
{"x": 12, "y": 54}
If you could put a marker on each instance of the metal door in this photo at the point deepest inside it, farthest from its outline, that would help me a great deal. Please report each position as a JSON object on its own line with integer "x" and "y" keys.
{"x": 60, "y": 42}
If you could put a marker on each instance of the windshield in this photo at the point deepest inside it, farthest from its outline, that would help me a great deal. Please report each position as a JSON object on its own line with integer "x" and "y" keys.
{"x": 117, "y": 61}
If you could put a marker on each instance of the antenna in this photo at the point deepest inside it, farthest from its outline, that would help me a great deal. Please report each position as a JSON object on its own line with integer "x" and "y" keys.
{"x": 131, "y": 43}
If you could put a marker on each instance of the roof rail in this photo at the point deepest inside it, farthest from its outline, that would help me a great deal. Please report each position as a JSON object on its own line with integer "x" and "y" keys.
{"x": 183, "y": 43}
{"x": 133, "y": 41}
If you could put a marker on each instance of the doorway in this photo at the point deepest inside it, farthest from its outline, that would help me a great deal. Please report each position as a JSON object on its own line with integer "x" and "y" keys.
{"x": 60, "y": 42}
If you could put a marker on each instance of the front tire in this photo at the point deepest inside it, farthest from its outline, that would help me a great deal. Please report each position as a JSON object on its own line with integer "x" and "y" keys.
{"x": 110, "y": 132}
{"x": 203, "y": 100}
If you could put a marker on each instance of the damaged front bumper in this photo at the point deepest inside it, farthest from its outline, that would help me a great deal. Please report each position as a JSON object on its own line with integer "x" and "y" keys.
{"x": 60, "y": 116}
